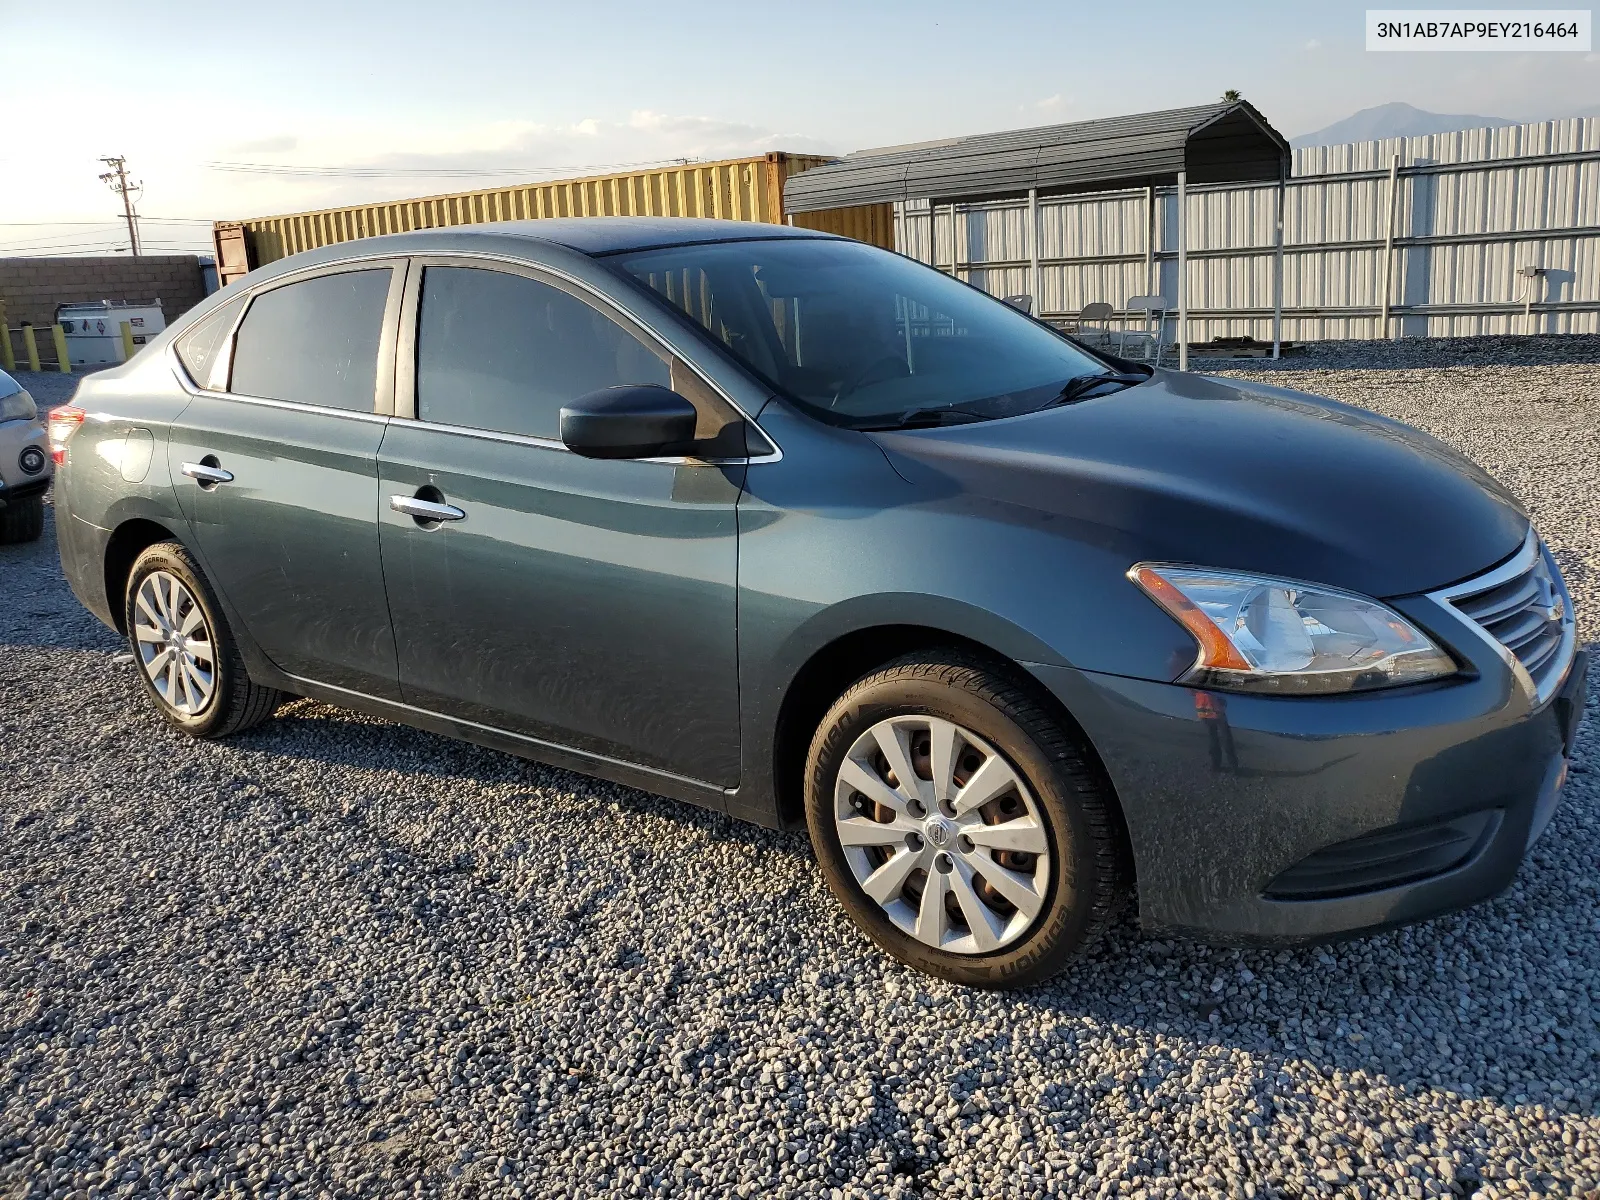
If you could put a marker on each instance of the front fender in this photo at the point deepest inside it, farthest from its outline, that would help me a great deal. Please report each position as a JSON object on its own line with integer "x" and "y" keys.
{"x": 834, "y": 541}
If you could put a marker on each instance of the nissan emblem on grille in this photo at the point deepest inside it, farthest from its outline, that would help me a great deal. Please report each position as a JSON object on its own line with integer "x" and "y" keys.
{"x": 1554, "y": 607}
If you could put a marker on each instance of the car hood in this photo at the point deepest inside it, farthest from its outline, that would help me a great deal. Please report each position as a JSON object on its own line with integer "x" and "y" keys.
{"x": 1229, "y": 474}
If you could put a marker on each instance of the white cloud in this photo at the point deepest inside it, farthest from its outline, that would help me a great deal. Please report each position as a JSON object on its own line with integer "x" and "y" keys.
{"x": 589, "y": 146}
{"x": 1313, "y": 44}
{"x": 543, "y": 151}
{"x": 171, "y": 160}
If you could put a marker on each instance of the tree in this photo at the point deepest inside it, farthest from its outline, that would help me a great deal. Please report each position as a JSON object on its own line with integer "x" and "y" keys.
{"x": 1231, "y": 96}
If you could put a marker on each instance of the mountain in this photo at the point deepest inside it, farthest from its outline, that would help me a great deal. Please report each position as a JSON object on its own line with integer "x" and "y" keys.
{"x": 1393, "y": 120}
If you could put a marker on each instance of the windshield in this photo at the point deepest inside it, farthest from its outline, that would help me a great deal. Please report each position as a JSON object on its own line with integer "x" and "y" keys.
{"x": 862, "y": 337}
{"x": 8, "y": 385}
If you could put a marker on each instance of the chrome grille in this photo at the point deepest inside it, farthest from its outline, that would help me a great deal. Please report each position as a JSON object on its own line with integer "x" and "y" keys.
{"x": 1522, "y": 608}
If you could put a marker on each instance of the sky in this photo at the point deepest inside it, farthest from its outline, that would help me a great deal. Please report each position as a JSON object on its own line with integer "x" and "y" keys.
{"x": 403, "y": 92}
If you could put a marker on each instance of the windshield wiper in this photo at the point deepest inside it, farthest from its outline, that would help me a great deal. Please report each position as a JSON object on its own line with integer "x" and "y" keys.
{"x": 921, "y": 418}
{"x": 1075, "y": 388}
{"x": 1080, "y": 386}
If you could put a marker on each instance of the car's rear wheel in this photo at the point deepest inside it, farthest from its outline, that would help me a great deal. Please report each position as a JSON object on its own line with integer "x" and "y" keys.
{"x": 184, "y": 651}
{"x": 959, "y": 824}
{"x": 22, "y": 520}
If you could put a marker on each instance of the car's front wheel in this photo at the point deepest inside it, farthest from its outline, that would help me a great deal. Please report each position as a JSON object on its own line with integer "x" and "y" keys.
{"x": 959, "y": 824}
{"x": 184, "y": 651}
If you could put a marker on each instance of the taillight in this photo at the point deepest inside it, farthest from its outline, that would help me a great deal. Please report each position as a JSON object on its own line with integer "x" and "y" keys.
{"x": 63, "y": 423}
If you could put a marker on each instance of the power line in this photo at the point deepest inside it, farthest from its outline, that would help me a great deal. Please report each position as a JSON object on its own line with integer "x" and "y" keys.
{"x": 51, "y": 251}
{"x": 117, "y": 221}
{"x": 58, "y": 245}
{"x": 77, "y": 235}
{"x": 4, "y": 246}
{"x": 117, "y": 252}
{"x": 39, "y": 237}
{"x": 118, "y": 246}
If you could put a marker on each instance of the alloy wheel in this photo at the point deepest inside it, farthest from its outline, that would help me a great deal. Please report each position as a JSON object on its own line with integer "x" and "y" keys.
{"x": 943, "y": 834}
{"x": 174, "y": 643}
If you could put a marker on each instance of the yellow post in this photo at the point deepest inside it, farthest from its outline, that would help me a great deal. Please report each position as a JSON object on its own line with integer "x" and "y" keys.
{"x": 127, "y": 341}
{"x": 58, "y": 335}
{"x": 31, "y": 345}
{"x": 8, "y": 356}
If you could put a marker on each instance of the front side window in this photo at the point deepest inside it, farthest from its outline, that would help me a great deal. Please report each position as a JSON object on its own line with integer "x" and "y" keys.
{"x": 859, "y": 336}
{"x": 502, "y": 352}
{"x": 314, "y": 342}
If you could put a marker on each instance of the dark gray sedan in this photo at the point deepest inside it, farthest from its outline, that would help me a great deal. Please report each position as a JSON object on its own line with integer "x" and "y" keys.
{"x": 798, "y": 529}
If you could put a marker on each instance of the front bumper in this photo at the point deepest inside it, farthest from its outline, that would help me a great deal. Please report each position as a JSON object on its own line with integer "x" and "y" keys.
{"x": 1224, "y": 794}
{"x": 30, "y": 487}
{"x": 21, "y": 443}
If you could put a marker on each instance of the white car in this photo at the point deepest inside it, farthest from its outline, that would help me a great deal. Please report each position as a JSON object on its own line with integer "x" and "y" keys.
{"x": 25, "y": 464}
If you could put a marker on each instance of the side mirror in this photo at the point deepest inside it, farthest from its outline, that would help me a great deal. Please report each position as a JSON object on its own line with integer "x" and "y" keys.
{"x": 632, "y": 421}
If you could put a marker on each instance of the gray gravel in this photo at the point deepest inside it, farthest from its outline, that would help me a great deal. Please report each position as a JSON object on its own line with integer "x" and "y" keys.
{"x": 339, "y": 957}
{"x": 50, "y": 388}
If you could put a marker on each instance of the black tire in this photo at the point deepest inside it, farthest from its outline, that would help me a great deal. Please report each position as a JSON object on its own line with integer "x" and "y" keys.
{"x": 1088, "y": 879}
{"x": 22, "y": 520}
{"x": 236, "y": 703}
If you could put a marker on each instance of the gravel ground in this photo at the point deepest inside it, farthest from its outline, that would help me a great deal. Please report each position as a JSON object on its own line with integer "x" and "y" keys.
{"x": 50, "y": 388}
{"x": 339, "y": 957}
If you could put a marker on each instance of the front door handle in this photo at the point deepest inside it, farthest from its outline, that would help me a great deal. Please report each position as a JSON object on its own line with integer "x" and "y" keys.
{"x": 207, "y": 474}
{"x": 425, "y": 510}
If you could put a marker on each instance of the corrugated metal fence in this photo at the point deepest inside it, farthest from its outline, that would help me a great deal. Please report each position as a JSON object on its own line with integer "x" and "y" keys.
{"x": 1466, "y": 212}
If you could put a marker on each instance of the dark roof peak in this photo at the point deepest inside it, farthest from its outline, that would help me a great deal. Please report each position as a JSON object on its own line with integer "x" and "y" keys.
{"x": 1215, "y": 143}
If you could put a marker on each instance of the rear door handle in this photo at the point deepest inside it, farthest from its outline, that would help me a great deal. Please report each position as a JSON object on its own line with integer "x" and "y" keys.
{"x": 425, "y": 510}
{"x": 206, "y": 475}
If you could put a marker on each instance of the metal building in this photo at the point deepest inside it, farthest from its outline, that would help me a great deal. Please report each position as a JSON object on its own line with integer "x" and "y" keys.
{"x": 1477, "y": 231}
{"x": 1227, "y": 143}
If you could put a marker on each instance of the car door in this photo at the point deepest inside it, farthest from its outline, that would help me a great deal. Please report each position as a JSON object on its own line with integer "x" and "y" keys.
{"x": 276, "y": 470}
{"x": 582, "y": 602}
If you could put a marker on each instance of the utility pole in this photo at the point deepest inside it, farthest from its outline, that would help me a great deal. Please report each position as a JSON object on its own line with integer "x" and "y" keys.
{"x": 117, "y": 180}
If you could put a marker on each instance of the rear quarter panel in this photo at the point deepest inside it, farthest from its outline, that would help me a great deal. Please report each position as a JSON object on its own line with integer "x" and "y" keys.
{"x": 116, "y": 470}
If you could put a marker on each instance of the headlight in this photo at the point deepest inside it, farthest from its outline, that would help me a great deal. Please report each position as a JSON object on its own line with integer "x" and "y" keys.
{"x": 18, "y": 406}
{"x": 1259, "y": 634}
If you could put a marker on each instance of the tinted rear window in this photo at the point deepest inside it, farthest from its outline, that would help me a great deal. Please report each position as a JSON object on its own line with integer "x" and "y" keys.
{"x": 314, "y": 342}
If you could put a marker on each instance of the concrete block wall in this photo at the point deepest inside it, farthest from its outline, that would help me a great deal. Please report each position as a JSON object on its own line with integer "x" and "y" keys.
{"x": 30, "y": 288}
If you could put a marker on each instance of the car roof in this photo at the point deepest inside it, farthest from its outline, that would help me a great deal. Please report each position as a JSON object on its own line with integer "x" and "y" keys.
{"x": 548, "y": 239}
{"x": 610, "y": 235}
